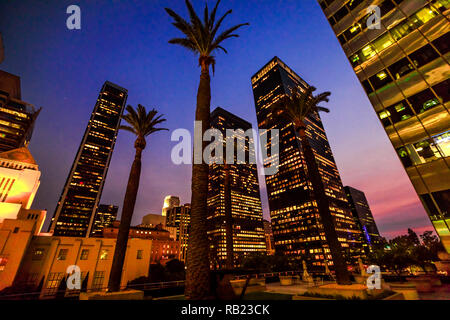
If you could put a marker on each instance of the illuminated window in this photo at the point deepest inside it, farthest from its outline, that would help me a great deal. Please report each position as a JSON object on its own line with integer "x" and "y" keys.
{"x": 38, "y": 254}
{"x": 62, "y": 255}
{"x": 139, "y": 254}
{"x": 84, "y": 254}
{"x": 104, "y": 254}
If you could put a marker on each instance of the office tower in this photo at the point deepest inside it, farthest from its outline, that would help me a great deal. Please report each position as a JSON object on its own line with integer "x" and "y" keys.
{"x": 180, "y": 219}
{"x": 297, "y": 230}
{"x": 170, "y": 202}
{"x": 153, "y": 220}
{"x": 362, "y": 214}
{"x": 268, "y": 233}
{"x": 74, "y": 214}
{"x": 16, "y": 116}
{"x": 404, "y": 68}
{"x": 247, "y": 223}
{"x": 105, "y": 217}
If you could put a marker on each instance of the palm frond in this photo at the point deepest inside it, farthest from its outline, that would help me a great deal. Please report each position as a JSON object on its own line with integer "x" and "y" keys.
{"x": 142, "y": 123}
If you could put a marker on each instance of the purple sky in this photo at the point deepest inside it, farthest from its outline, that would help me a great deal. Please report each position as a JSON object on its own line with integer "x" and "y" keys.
{"x": 126, "y": 43}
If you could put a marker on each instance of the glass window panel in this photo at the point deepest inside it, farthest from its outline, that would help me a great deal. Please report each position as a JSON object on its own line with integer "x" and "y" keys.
{"x": 423, "y": 55}
{"x": 401, "y": 68}
{"x": 443, "y": 43}
{"x": 423, "y": 101}
{"x": 443, "y": 91}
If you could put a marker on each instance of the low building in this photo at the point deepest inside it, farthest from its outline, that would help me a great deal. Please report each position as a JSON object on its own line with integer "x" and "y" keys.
{"x": 29, "y": 257}
{"x": 152, "y": 220}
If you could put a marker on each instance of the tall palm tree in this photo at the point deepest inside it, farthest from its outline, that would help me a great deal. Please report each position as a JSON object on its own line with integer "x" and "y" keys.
{"x": 296, "y": 108}
{"x": 203, "y": 39}
{"x": 142, "y": 124}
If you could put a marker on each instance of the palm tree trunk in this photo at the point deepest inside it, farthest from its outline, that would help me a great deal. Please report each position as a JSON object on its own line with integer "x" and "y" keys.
{"x": 125, "y": 222}
{"x": 228, "y": 218}
{"x": 340, "y": 267}
{"x": 198, "y": 285}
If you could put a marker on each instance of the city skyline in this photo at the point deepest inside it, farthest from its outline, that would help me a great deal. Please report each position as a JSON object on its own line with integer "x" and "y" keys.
{"x": 54, "y": 172}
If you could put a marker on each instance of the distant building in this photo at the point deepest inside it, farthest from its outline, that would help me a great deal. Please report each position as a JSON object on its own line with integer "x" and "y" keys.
{"x": 17, "y": 117}
{"x": 403, "y": 64}
{"x": 105, "y": 217}
{"x": 270, "y": 245}
{"x": 246, "y": 209}
{"x": 180, "y": 219}
{"x": 164, "y": 248}
{"x": 74, "y": 214}
{"x": 170, "y": 202}
{"x": 363, "y": 215}
{"x": 19, "y": 182}
{"x": 153, "y": 220}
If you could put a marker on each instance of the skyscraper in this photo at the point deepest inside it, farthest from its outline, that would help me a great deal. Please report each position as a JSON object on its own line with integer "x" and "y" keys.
{"x": 363, "y": 215}
{"x": 180, "y": 218}
{"x": 16, "y": 116}
{"x": 247, "y": 222}
{"x": 269, "y": 237}
{"x": 74, "y": 215}
{"x": 403, "y": 65}
{"x": 170, "y": 202}
{"x": 104, "y": 218}
{"x": 297, "y": 229}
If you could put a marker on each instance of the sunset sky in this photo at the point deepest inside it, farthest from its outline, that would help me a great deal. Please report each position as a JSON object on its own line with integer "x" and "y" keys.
{"x": 125, "y": 42}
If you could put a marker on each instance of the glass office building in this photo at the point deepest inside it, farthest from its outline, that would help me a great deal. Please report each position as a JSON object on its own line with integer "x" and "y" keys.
{"x": 74, "y": 214}
{"x": 403, "y": 65}
{"x": 363, "y": 216}
{"x": 104, "y": 218}
{"x": 296, "y": 225}
{"x": 246, "y": 209}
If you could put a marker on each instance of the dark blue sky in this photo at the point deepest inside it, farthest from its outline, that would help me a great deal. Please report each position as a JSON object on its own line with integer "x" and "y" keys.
{"x": 126, "y": 42}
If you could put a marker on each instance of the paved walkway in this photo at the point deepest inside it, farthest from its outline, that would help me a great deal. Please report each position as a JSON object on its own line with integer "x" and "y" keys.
{"x": 298, "y": 288}
{"x": 440, "y": 293}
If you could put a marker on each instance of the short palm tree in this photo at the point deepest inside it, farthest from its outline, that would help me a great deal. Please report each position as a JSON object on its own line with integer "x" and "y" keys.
{"x": 142, "y": 124}
{"x": 203, "y": 39}
{"x": 296, "y": 108}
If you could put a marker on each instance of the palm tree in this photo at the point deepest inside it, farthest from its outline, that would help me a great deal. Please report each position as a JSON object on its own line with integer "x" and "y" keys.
{"x": 296, "y": 108}
{"x": 142, "y": 124}
{"x": 201, "y": 38}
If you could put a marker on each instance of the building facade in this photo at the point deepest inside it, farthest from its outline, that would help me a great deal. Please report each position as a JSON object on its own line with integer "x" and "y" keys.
{"x": 363, "y": 216}
{"x": 180, "y": 219}
{"x": 19, "y": 182}
{"x": 268, "y": 233}
{"x": 105, "y": 217}
{"x": 297, "y": 229}
{"x": 246, "y": 210}
{"x": 403, "y": 65}
{"x": 170, "y": 202}
{"x": 75, "y": 212}
{"x": 17, "y": 117}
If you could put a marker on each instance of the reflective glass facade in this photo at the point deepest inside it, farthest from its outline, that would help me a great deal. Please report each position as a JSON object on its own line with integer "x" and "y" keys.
{"x": 179, "y": 217}
{"x": 296, "y": 225}
{"x": 404, "y": 68}
{"x": 246, "y": 210}
{"x": 74, "y": 214}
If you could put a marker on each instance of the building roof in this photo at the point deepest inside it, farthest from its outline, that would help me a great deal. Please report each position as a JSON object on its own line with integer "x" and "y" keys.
{"x": 20, "y": 154}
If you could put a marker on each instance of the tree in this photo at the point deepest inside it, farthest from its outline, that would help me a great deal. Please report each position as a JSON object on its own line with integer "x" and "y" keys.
{"x": 295, "y": 108}
{"x": 413, "y": 238}
{"x": 142, "y": 124}
{"x": 201, "y": 38}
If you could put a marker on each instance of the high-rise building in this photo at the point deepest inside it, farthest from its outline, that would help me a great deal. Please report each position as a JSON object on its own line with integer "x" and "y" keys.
{"x": 270, "y": 245}
{"x": 16, "y": 116}
{"x": 180, "y": 218}
{"x": 170, "y": 202}
{"x": 296, "y": 225}
{"x": 403, "y": 65}
{"x": 75, "y": 212}
{"x": 104, "y": 218}
{"x": 246, "y": 210}
{"x": 363, "y": 216}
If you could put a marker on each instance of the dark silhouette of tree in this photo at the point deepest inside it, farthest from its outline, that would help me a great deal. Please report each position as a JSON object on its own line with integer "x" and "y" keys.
{"x": 202, "y": 38}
